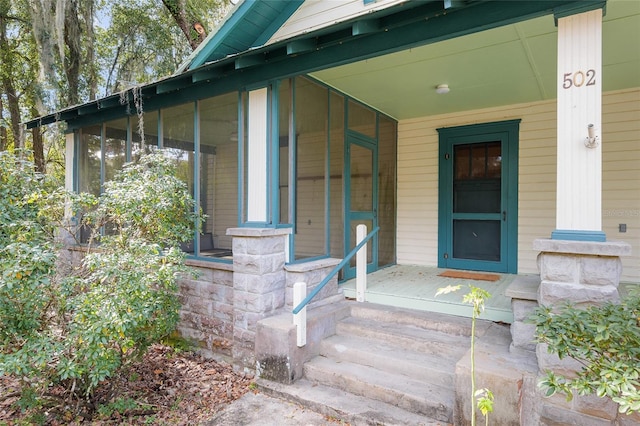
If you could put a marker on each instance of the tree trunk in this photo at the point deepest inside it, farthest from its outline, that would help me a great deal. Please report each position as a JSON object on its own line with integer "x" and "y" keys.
{"x": 38, "y": 150}
{"x": 73, "y": 58}
{"x": 8, "y": 86}
{"x": 191, "y": 27}
{"x": 90, "y": 60}
{"x": 3, "y": 130}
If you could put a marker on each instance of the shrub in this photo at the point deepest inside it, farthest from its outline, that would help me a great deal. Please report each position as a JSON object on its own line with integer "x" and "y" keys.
{"x": 73, "y": 326}
{"x": 605, "y": 340}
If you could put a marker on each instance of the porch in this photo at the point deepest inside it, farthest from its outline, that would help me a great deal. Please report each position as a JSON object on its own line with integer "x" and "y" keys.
{"x": 415, "y": 287}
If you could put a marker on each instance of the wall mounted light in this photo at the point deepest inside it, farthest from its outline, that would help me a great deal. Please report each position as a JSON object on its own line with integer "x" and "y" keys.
{"x": 441, "y": 89}
{"x": 592, "y": 139}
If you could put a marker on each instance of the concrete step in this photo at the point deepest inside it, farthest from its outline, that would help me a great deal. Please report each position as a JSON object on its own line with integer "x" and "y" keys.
{"x": 449, "y": 324}
{"x": 406, "y": 336}
{"x": 438, "y": 369}
{"x": 435, "y": 402}
{"x": 345, "y": 407}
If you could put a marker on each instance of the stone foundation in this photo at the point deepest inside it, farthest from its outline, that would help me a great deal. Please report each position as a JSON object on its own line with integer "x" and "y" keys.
{"x": 206, "y": 316}
{"x": 523, "y": 292}
{"x": 312, "y": 273}
{"x": 582, "y": 273}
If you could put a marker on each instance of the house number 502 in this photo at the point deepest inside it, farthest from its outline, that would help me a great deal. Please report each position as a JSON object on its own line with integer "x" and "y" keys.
{"x": 579, "y": 79}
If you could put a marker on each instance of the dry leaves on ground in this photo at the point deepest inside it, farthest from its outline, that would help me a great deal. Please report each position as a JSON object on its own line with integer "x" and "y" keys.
{"x": 165, "y": 387}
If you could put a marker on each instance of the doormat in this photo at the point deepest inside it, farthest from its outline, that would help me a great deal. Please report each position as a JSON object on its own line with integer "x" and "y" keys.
{"x": 470, "y": 275}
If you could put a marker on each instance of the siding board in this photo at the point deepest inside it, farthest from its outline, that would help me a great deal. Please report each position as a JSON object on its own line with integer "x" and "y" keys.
{"x": 418, "y": 177}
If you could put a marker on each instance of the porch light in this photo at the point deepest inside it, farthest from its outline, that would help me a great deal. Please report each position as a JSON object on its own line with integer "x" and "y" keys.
{"x": 441, "y": 89}
{"x": 592, "y": 140}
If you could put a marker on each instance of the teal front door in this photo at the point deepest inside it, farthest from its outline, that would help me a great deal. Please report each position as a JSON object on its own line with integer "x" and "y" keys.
{"x": 478, "y": 197}
{"x": 361, "y": 197}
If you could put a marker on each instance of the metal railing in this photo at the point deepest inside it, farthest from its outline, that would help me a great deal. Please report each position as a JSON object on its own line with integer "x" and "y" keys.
{"x": 335, "y": 270}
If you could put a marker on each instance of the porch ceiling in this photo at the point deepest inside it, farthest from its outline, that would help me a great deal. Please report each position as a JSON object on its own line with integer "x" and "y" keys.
{"x": 502, "y": 66}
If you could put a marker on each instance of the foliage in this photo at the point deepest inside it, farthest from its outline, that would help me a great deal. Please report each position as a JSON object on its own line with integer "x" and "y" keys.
{"x": 605, "y": 340}
{"x": 476, "y": 297}
{"x": 74, "y": 325}
{"x": 58, "y": 53}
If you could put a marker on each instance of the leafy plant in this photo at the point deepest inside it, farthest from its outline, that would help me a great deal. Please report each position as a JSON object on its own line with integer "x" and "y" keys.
{"x": 75, "y": 325}
{"x": 476, "y": 297}
{"x": 605, "y": 340}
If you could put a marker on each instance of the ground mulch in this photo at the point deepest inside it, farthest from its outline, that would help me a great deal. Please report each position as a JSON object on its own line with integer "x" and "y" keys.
{"x": 166, "y": 387}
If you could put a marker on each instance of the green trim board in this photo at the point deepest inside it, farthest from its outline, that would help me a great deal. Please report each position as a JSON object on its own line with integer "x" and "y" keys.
{"x": 501, "y": 219}
{"x": 251, "y": 24}
{"x": 401, "y": 27}
{"x": 576, "y": 235}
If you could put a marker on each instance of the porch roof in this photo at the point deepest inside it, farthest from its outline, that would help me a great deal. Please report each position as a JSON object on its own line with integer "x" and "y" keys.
{"x": 343, "y": 54}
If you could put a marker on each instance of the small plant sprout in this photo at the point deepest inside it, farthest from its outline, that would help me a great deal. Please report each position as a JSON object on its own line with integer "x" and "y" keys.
{"x": 485, "y": 403}
{"x": 476, "y": 297}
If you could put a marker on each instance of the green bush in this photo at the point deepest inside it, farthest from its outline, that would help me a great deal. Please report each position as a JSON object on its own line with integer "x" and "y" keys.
{"x": 74, "y": 326}
{"x": 605, "y": 340}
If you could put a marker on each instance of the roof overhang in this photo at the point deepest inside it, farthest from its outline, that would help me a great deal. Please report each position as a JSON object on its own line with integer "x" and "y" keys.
{"x": 407, "y": 25}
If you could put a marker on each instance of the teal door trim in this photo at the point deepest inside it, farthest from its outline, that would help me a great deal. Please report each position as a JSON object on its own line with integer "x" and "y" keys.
{"x": 507, "y": 132}
{"x": 354, "y": 138}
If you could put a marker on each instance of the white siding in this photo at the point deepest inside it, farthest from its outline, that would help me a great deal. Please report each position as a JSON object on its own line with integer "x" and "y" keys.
{"x": 418, "y": 177}
{"x": 315, "y": 14}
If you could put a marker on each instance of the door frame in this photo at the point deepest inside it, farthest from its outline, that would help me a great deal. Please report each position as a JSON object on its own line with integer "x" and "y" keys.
{"x": 355, "y": 138}
{"x": 508, "y": 132}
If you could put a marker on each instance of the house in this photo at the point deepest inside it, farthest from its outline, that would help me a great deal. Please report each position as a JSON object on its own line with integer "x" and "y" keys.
{"x": 505, "y": 137}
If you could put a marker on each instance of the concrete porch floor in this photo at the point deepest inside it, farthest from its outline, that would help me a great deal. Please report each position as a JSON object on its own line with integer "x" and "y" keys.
{"x": 415, "y": 287}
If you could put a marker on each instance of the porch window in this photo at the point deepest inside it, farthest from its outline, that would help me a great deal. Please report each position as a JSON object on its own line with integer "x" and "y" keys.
{"x": 144, "y": 134}
{"x": 218, "y": 162}
{"x": 387, "y": 153}
{"x": 207, "y": 164}
{"x": 311, "y": 109}
{"x": 336, "y": 169}
{"x": 89, "y": 159}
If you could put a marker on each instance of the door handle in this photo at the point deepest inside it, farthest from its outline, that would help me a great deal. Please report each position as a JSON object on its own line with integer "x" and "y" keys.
{"x": 504, "y": 216}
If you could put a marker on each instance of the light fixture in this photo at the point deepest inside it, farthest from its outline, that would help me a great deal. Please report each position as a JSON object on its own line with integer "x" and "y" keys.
{"x": 592, "y": 139}
{"x": 441, "y": 89}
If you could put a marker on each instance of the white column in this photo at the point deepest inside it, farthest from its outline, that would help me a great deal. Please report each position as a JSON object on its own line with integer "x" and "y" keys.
{"x": 361, "y": 264}
{"x": 300, "y": 319}
{"x": 257, "y": 156}
{"x": 69, "y": 159}
{"x": 579, "y": 167}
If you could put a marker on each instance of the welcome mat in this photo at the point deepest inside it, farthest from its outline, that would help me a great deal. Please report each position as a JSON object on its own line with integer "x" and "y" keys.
{"x": 470, "y": 275}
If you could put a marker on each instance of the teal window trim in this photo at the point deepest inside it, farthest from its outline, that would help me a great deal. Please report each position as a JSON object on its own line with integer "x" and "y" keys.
{"x": 293, "y": 170}
{"x": 273, "y": 153}
{"x": 241, "y": 156}
{"x": 308, "y": 259}
{"x": 196, "y": 176}
{"x": 578, "y": 235}
{"x": 327, "y": 181}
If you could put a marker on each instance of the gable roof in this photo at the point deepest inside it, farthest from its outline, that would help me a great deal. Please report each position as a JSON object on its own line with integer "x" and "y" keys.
{"x": 250, "y": 24}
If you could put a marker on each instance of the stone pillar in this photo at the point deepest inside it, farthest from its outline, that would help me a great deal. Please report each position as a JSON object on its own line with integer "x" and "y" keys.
{"x": 259, "y": 285}
{"x": 583, "y": 273}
